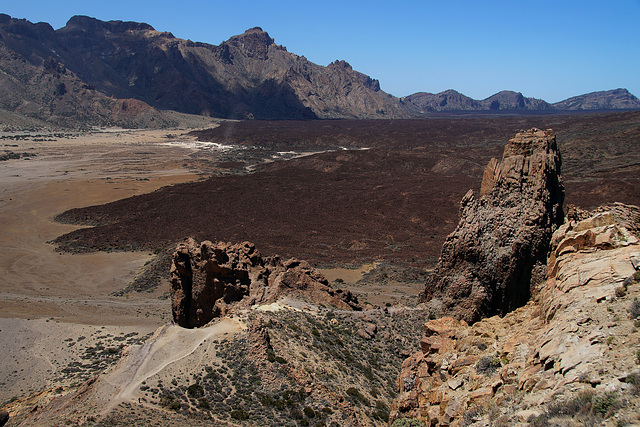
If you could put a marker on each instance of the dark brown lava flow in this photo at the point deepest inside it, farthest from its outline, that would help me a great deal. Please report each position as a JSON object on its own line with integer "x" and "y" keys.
{"x": 396, "y": 201}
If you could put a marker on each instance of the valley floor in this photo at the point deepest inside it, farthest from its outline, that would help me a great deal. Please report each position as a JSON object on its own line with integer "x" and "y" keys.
{"x": 65, "y": 317}
{"x": 55, "y": 307}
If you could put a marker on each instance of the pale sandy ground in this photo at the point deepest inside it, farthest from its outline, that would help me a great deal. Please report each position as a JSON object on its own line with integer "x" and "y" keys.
{"x": 47, "y": 297}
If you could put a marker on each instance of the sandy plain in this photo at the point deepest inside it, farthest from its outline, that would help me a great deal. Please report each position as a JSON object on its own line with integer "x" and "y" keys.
{"x": 54, "y": 307}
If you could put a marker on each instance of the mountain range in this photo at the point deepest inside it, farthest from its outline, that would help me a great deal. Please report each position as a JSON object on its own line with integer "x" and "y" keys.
{"x": 128, "y": 74}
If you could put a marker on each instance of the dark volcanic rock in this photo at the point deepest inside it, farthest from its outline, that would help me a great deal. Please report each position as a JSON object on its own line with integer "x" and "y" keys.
{"x": 498, "y": 251}
{"x": 208, "y": 280}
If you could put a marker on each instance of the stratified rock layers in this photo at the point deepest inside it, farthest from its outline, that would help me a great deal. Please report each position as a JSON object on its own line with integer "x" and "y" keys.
{"x": 208, "y": 280}
{"x": 497, "y": 254}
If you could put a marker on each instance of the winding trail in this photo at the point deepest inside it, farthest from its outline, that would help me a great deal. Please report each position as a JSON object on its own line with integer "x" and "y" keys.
{"x": 170, "y": 344}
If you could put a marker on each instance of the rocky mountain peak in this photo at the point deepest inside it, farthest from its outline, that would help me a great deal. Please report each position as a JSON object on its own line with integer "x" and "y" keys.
{"x": 620, "y": 99}
{"x": 89, "y": 24}
{"x": 254, "y": 43}
{"x": 494, "y": 259}
{"x": 340, "y": 64}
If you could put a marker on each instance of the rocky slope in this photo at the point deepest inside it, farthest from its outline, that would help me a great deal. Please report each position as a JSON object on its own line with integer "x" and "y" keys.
{"x": 287, "y": 363}
{"x": 450, "y": 100}
{"x": 497, "y": 253}
{"x": 617, "y": 99}
{"x": 210, "y": 280}
{"x": 37, "y": 84}
{"x": 568, "y": 357}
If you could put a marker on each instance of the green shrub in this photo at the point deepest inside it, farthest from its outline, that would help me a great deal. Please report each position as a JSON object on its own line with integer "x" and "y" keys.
{"x": 239, "y": 414}
{"x": 204, "y": 403}
{"x": 605, "y": 404}
{"x": 297, "y": 414}
{"x": 309, "y": 412}
{"x": 195, "y": 391}
{"x": 634, "y": 310}
{"x": 487, "y": 365}
{"x": 634, "y": 380}
{"x": 357, "y": 396}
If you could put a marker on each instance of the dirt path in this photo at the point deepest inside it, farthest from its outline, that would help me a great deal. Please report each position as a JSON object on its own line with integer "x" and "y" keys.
{"x": 170, "y": 345}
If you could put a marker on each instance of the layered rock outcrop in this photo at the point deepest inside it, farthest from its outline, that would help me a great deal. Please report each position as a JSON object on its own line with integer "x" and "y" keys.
{"x": 208, "y": 280}
{"x": 577, "y": 340}
{"x": 496, "y": 256}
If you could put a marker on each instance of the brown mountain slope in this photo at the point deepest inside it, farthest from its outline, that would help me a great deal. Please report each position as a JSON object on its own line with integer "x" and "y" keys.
{"x": 40, "y": 87}
{"x": 617, "y": 99}
{"x": 246, "y": 76}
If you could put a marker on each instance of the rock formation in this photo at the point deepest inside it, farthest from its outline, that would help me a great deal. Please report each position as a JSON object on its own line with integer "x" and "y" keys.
{"x": 208, "y": 280}
{"x": 577, "y": 342}
{"x": 490, "y": 263}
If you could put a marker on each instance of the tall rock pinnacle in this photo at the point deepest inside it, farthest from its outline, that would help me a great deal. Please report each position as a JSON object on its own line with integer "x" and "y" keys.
{"x": 491, "y": 263}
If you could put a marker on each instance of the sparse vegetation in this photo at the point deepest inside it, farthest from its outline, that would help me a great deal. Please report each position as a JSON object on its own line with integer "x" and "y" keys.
{"x": 10, "y": 155}
{"x": 487, "y": 365}
{"x": 267, "y": 387}
{"x": 634, "y": 310}
{"x": 586, "y": 407}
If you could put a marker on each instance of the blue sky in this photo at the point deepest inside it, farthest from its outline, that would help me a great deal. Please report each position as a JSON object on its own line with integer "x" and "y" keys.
{"x": 545, "y": 49}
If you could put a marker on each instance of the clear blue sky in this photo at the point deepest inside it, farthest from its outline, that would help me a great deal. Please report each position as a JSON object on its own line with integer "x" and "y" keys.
{"x": 545, "y": 49}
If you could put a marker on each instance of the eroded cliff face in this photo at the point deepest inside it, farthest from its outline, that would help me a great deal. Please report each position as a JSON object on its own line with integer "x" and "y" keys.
{"x": 568, "y": 356}
{"x": 494, "y": 259}
{"x": 208, "y": 280}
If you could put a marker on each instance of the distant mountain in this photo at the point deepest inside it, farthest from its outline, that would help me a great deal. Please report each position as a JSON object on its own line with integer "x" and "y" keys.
{"x": 617, "y": 99}
{"x": 450, "y": 100}
{"x": 513, "y": 101}
{"x": 127, "y": 73}
{"x": 248, "y": 76}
